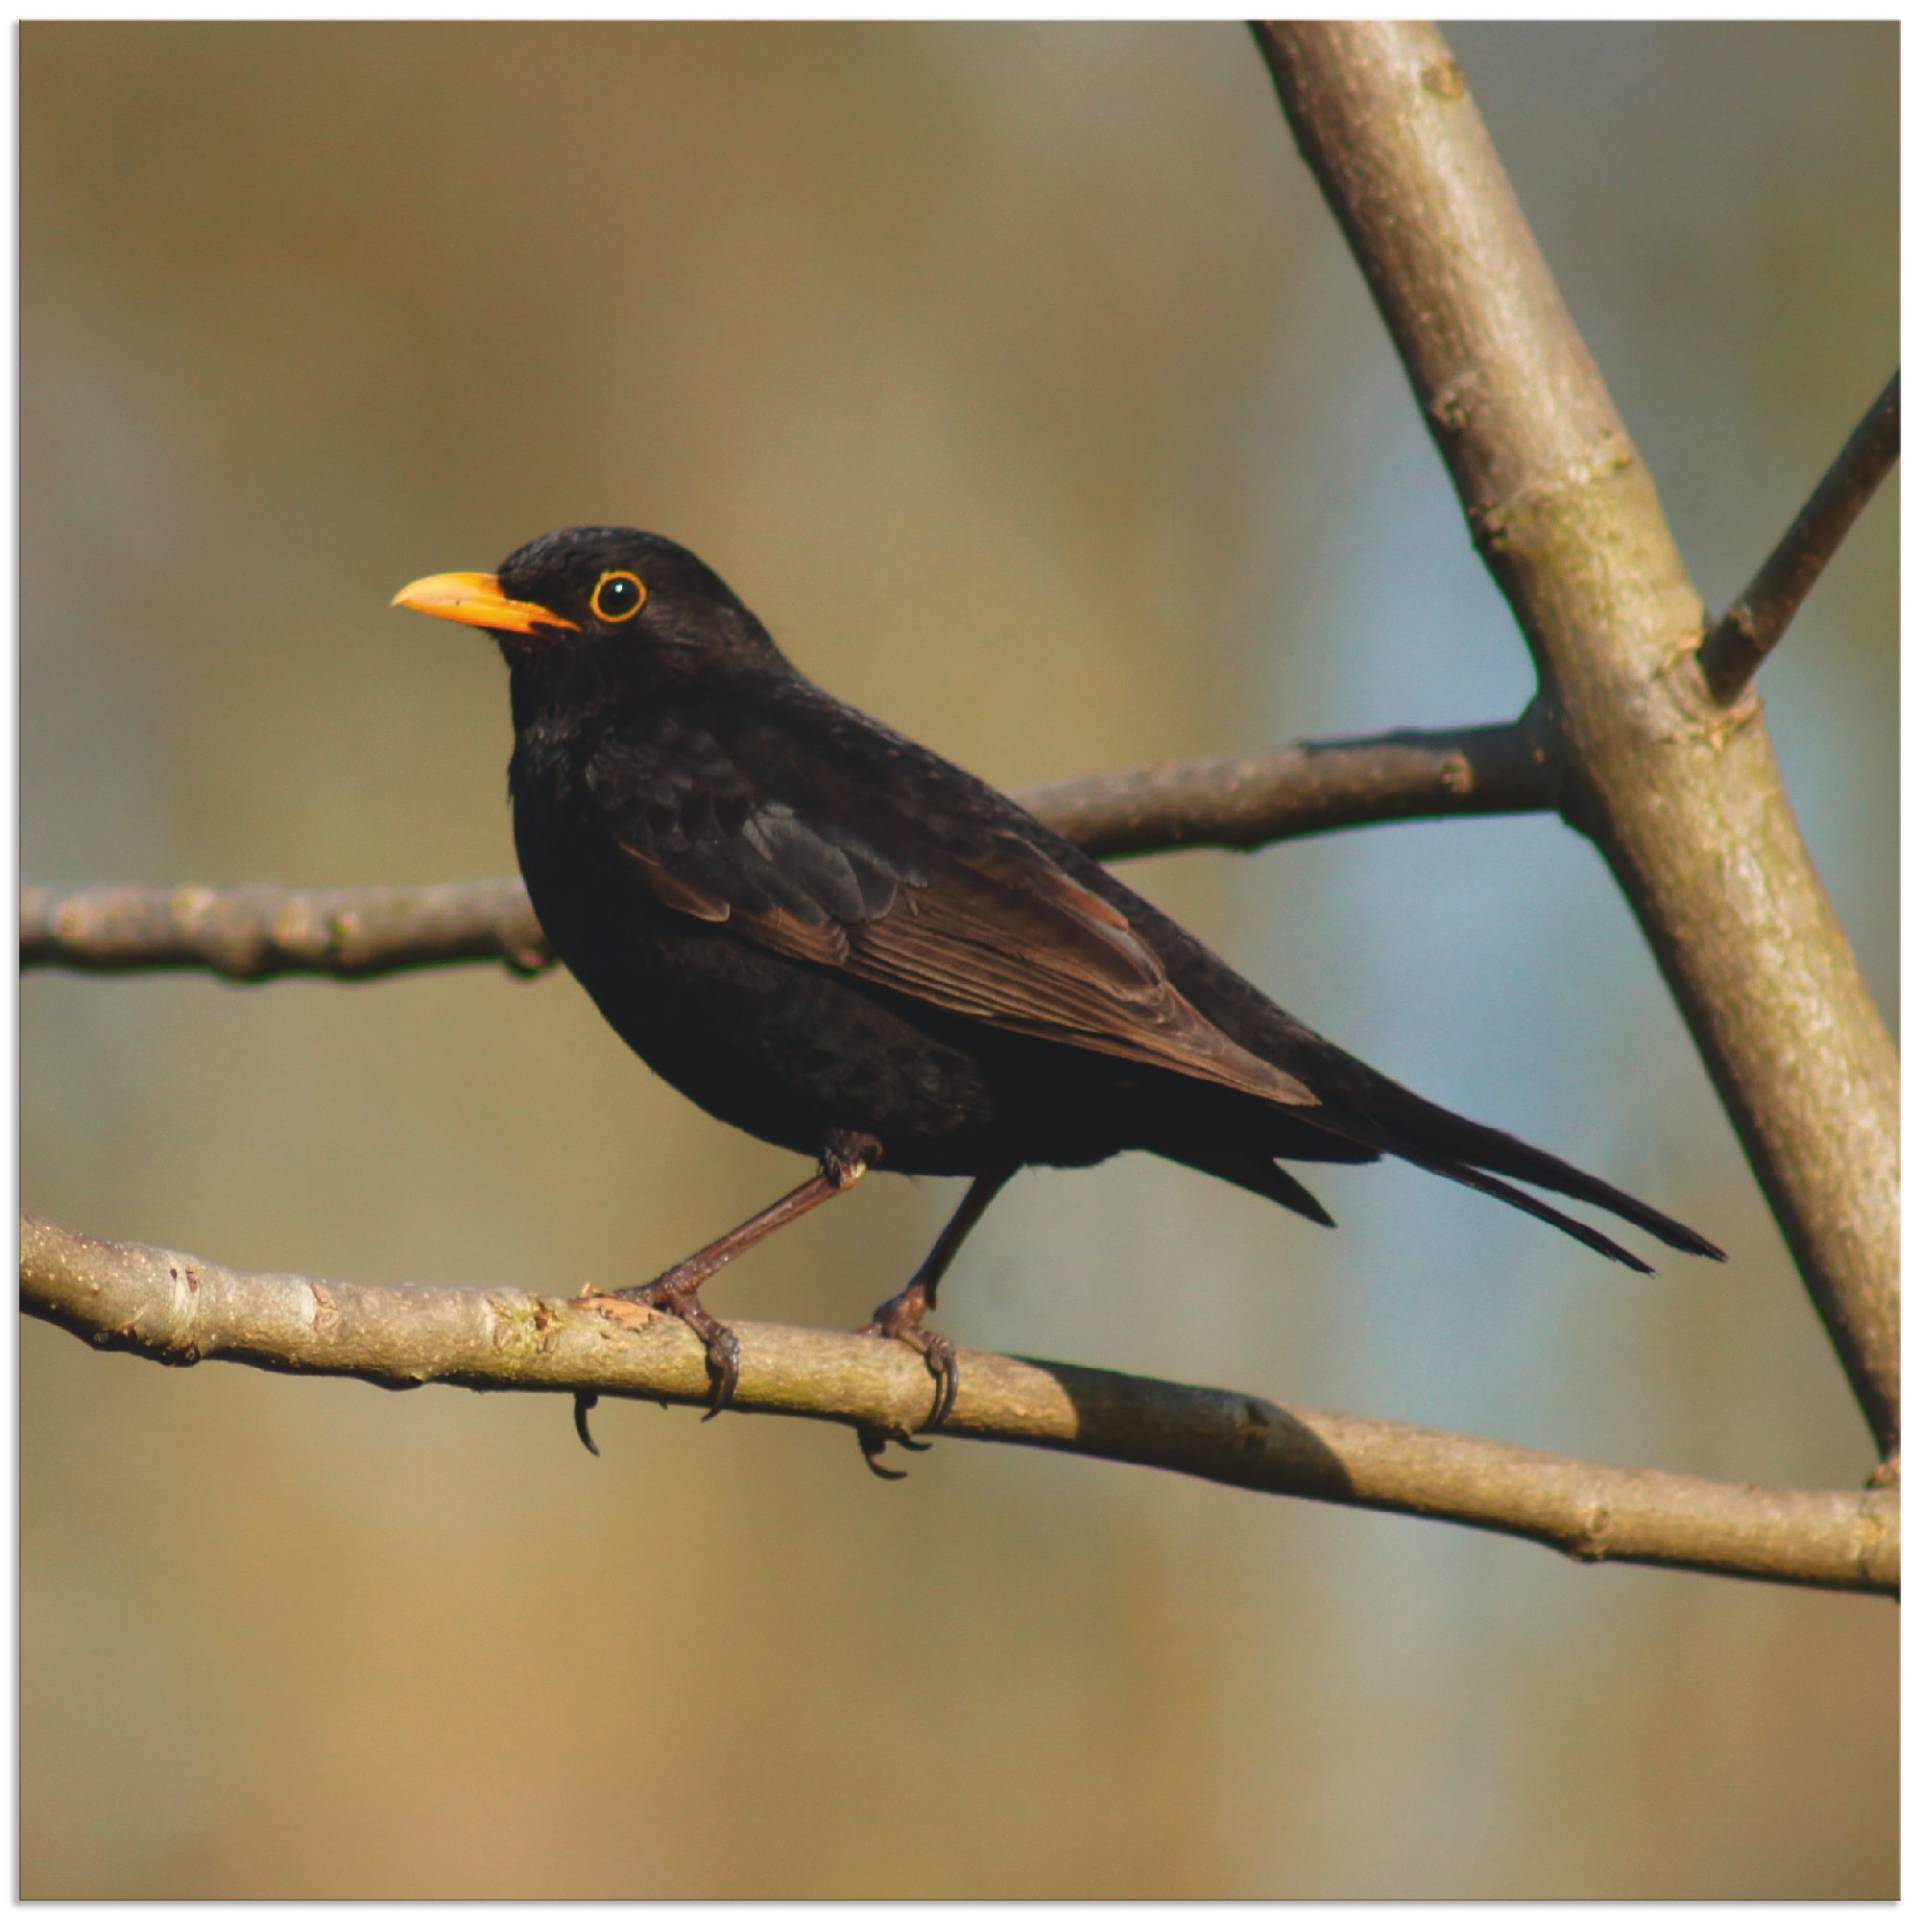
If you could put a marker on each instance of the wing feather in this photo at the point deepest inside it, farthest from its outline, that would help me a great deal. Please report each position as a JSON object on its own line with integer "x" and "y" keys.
{"x": 981, "y": 923}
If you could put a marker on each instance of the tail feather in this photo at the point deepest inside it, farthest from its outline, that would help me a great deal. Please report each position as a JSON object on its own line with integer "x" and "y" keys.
{"x": 1515, "y": 1197}
{"x": 1388, "y": 1117}
{"x": 1489, "y": 1149}
{"x": 1254, "y": 1169}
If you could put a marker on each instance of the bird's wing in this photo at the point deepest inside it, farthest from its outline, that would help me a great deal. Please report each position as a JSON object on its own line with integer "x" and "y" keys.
{"x": 966, "y": 916}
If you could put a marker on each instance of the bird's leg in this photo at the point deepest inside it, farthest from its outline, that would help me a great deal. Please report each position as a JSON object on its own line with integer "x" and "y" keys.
{"x": 900, "y": 1317}
{"x": 843, "y": 1160}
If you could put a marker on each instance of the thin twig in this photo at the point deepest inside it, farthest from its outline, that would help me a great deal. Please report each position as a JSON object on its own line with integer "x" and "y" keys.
{"x": 258, "y": 933}
{"x": 1751, "y": 628}
{"x": 177, "y": 1308}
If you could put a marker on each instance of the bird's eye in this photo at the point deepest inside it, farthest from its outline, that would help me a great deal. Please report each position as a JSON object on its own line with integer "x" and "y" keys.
{"x": 617, "y": 597}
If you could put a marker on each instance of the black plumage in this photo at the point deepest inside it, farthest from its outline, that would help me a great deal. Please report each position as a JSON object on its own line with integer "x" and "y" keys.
{"x": 829, "y": 936}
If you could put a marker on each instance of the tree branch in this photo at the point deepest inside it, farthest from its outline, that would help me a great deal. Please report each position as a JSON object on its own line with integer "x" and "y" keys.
{"x": 179, "y": 1309}
{"x": 1682, "y": 797}
{"x": 1254, "y": 799}
{"x": 1750, "y": 629}
{"x": 258, "y": 933}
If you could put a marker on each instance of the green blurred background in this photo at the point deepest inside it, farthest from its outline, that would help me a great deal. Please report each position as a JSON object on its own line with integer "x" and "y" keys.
{"x": 1017, "y": 377}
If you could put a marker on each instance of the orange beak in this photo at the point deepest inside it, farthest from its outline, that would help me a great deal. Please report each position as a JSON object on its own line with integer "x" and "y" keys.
{"x": 475, "y": 600}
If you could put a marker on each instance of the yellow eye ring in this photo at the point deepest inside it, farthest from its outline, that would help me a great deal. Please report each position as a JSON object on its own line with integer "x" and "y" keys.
{"x": 618, "y": 596}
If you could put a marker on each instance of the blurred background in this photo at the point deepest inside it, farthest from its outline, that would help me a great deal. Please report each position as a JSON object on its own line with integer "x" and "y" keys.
{"x": 1018, "y": 378}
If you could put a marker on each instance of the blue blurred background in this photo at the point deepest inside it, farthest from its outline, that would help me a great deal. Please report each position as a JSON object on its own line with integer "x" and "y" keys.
{"x": 1018, "y": 378}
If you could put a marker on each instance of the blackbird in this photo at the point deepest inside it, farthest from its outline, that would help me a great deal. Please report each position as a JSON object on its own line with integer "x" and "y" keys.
{"x": 825, "y": 934}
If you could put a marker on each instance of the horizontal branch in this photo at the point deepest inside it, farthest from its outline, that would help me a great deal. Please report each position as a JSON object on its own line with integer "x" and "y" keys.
{"x": 1253, "y": 799}
{"x": 256, "y": 933}
{"x": 1750, "y": 629}
{"x": 178, "y": 1308}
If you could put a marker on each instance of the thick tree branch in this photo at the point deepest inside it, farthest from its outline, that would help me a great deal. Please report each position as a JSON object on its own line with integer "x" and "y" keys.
{"x": 178, "y": 1308}
{"x": 1682, "y": 797}
{"x": 1750, "y": 629}
{"x": 256, "y": 933}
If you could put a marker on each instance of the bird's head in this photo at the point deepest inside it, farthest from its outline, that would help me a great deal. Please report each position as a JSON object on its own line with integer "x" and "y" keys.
{"x": 606, "y": 603}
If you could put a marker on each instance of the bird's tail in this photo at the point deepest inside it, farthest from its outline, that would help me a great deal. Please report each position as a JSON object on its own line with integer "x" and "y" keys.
{"x": 1376, "y": 1112}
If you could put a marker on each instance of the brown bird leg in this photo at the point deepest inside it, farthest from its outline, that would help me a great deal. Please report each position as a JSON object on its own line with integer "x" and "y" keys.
{"x": 846, "y": 1157}
{"x": 900, "y": 1317}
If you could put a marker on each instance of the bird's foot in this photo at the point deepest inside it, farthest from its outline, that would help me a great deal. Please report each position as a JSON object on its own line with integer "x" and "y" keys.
{"x": 677, "y": 1291}
{"x": 899, "y": 1319}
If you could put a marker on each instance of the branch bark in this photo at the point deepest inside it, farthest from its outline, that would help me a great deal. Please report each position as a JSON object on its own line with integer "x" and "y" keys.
{"x": 1751, "y": 628}
{"x": 259, "y": 933}
{"x": 178, "y": 1309}
{"x": 1682, "y": 797}
{"x": 262, "y": 933}
{"x": 1251, "y": 800}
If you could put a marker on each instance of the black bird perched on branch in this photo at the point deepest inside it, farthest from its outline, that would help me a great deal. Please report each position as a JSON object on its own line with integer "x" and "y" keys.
{"x": 827, "y": 935}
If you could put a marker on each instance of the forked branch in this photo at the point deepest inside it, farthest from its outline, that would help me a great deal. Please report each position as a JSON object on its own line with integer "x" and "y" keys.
{"x": 1681, "y": 795}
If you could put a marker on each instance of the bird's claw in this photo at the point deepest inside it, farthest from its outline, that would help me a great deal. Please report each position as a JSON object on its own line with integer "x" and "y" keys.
{"x": 583, "y": 1406}
{"x": 941, "y": 1363}
{"x": 723, "y": 1363}
{"x": 678, "y": 1292}
{"x": 934, "y": 1348}
{"x": 874, "y": 1441}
